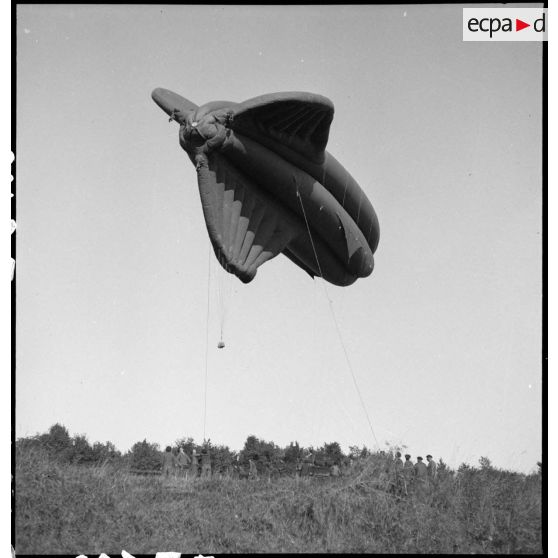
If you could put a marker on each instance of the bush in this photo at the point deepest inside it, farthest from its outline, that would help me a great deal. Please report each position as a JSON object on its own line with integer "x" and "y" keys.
{"x": 145, "y": 456}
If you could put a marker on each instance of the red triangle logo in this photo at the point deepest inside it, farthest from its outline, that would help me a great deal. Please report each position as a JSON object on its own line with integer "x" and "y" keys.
{"x": 519, "y": 25}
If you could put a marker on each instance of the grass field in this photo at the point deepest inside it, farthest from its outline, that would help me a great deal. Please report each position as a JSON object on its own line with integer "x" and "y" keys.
{"x": 73, "y": 509}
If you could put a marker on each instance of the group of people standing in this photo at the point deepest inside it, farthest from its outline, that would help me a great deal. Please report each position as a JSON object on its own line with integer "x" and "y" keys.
{"x": 405, "y": 476}
{"x": 408, "y": 476}
{"x": 182, "y": 465}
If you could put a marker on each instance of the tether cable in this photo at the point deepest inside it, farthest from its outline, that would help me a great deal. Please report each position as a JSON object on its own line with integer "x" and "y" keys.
{"x": 206, "y": 342}
{"x": 335, "y": 321}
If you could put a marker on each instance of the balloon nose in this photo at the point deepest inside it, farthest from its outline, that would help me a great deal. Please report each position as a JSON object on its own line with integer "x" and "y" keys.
{"x": 193, "y": 135}
{"x": 174, "y": 105}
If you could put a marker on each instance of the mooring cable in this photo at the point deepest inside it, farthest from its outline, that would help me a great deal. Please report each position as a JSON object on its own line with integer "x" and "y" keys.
{"x": 335, "y": 321}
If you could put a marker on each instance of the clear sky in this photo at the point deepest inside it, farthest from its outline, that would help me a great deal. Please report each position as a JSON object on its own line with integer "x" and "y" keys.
{"x": 444, "y": 136}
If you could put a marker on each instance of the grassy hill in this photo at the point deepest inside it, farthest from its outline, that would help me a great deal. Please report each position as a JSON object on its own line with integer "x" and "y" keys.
{"x": 73, "y": 509}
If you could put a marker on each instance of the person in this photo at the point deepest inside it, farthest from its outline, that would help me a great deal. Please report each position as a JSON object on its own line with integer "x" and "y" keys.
{"x": 237, "y": 468}
{"x": 335, "y": 472}
{"x": 308, "y": 463}
{"x": 205, "y": 464}
{"x": 397, "y": 484}
{"x": 421, "y": 471}
{"x": 421, "y": 476}
{"x": 267, "y": 468}
{"x": 194, "y": 465}
{"x": 408, "y": 473}
{"x": 253, "y": 473}
{"x": 298, "y": 470}
{"x": 431, "y": 467}
{"x": 182, "y": 461}
{"x": 169, "y": 462}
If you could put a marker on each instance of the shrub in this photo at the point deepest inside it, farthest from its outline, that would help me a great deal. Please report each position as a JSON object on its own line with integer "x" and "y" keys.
{"x": 145, "y": 456}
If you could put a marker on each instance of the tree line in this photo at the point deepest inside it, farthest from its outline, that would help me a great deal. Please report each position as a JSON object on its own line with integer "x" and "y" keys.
{"x": 147, "y": 456}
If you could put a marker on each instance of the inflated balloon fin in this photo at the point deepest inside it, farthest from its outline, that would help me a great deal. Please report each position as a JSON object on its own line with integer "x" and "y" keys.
{"x": 245, "y": 225}
{"x": 298, "y": 121}
{"x": 268, "y": 186}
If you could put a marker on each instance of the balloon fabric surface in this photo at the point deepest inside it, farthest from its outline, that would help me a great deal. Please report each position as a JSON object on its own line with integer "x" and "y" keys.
{"x": 268, "y": 186}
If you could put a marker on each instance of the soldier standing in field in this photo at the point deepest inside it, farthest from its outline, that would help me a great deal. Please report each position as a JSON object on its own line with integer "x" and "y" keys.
{"x": 253, "y": 472}
{"x": 194, "y": 465}
{"x": 267, "y": 468}
{"x": 205, "y": 464}
{"x": 169, "y": 462}
{"x": 431, "y": 469}
{"x": 398, "y": 483}
{"x": 408, "y": 472}
{"x": 421, "y": 476}
{"x": 298, "y": 470}
{"x": 335, "y": 472}
{"x": 310, "y": 458}
{"x": 183, "y": 461}
{"x": 237, "y": 468}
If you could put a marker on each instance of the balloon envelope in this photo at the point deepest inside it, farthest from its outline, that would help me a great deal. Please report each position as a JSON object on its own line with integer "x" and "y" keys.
{"x": 268, "y": 186}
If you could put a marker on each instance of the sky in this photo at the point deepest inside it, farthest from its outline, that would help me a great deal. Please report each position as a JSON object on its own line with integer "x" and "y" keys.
{"x": 113, "y": 259}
